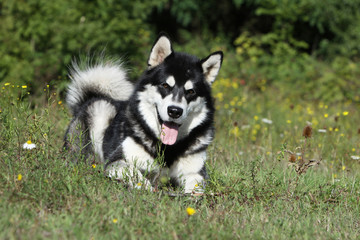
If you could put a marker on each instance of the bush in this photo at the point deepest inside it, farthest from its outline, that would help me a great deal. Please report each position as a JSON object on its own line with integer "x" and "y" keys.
{"x": 294, "y": 73}
{"x": 40, "y": 37}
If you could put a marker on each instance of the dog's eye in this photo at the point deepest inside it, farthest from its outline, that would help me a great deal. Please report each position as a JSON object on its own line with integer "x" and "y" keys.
{"x": 165, "y": 85}
{"x": 190, "y": 92}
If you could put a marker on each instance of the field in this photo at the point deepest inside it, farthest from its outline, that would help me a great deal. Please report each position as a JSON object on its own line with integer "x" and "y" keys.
{"x": 269, "y": 178}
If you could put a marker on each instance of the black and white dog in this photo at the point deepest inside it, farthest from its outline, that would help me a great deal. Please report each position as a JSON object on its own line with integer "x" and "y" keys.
{"x": 163, "y": 124}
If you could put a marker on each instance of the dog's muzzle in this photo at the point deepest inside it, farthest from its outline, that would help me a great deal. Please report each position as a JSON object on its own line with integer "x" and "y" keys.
{"x": 174, "y": 112}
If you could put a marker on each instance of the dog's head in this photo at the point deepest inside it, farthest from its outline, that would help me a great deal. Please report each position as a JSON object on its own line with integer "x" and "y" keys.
{"x": 174, "y": 94}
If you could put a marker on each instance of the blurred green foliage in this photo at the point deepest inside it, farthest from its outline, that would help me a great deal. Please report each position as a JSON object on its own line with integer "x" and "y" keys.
{"x": 39, "y": 38}
{"x": 304, "y": 48}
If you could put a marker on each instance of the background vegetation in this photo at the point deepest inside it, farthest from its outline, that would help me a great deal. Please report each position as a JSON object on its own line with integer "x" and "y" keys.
{"x": 287, "y": 64}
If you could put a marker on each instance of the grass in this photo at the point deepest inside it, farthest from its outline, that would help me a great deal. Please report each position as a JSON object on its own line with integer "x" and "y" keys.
{"x": 253, "y": 192}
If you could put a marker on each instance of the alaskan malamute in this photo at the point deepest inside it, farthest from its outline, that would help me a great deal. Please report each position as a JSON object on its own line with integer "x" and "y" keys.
{"x": 161, "y": 125}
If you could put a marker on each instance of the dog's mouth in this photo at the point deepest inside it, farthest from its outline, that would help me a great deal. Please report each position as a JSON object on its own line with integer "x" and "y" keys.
{"x": 169, "y": 131}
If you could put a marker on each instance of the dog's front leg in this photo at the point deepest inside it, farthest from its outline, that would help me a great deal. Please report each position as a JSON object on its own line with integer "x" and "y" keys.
{"x": 135, "y": 161}
{"x": 190, "y": 173}
{"x": 128, "y": 173}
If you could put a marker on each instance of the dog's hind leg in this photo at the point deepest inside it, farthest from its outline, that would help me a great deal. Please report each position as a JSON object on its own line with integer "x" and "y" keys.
{"x": 77, "y": 142}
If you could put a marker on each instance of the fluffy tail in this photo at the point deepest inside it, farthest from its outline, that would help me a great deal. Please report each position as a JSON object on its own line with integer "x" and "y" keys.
{"x": 105, "y": 78}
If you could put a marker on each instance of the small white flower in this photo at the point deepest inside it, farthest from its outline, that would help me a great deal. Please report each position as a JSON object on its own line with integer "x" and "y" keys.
{"x": 267, "y": 121}
{"x": 322, "y": 130}
{"x": 29, "y": 145}
{"x": 138, "y": 185}
{"x": 355, "y": 157}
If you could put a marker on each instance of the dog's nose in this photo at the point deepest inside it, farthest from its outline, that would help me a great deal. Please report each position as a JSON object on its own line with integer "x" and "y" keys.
{"x": 174, "y": 112}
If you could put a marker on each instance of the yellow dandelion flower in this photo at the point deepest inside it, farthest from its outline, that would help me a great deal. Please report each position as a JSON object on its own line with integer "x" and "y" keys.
{"x": 256, "y": 118}
{"x": 326, "y": 115}
{"x": 7, "y": 84}
{"x": 19, "y": 177}
{"x": 190, "y": 211}
{"x": 343, "y": 168}
{"x": 288, "y": 121}
{"x": 23, "y": 86}
{"x": 220, "y": 96}
{"x": 235, "y": 131}
{"x": 93, "y": 166}
{"x": 115, "y": 220}
{"x": 60, "y": 102}
{"x": 345, "y": 113}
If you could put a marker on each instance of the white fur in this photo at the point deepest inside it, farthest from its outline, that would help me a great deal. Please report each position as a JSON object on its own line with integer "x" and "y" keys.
{"x": 101, "y": 112}
{"x": 163, "y": 104}
{"x": 120, "y": 170}
{"x": 198, "y": 113}
{"x": 188, "y": 85}
{"x": 128, "y": 169}
{"x": 108, "y": 78}
{"x": 187, "y": 169}
{"x": 160, "y": 51}
{"x": 135, "y": 155}
{"x": 147, "y": 107}
{"x": 171, "y": 81}
{"x": 211, "y": 67}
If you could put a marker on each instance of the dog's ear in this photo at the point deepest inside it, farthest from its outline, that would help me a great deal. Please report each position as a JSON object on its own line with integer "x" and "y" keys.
{"x": 161, "y": 49}
{"x": 211, "y": 66}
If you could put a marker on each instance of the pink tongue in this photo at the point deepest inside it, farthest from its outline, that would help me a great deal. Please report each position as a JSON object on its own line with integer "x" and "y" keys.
{"x": 169, "y": 132}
